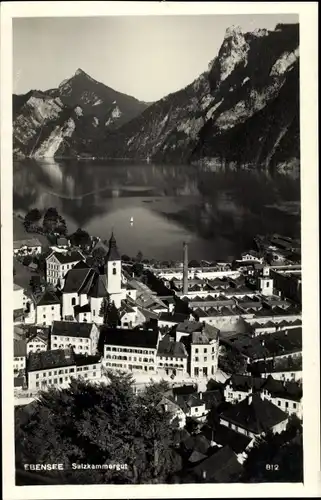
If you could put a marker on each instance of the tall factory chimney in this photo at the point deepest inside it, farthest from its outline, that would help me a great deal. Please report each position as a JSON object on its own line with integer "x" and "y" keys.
{"x": 185, "y": 268}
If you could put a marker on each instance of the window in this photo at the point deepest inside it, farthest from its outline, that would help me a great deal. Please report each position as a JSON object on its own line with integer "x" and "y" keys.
{"x": 279, "y": 403}
{"x": 37, "y": 384}
{"x": 205, "y": 350}
{"x": 49, "y": 374}
{"x": 55, "y": 372}
{"x": 196, "y": 351}
{"x": 72, "y": 370}
{"x": 114, "y": 271}
{"x": 73, "y": 301}
{"x": 94, "y": 374}
{"x": 44, "y": 316}
{"x": 37, "y": 376}
{"x": 55, "y": 381}
{"x": 267, "y": 284}
{"x": 196, "y": 359}
{"x": 205, "y": 359}
{"x": 286, "y": 404}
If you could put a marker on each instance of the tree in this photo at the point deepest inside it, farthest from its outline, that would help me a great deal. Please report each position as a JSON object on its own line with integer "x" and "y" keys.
{"x": 125, "y": 258}
{"x": 113, "y": 318}
{"x": 80, "y": 238}
{"x": 139, "y": 256}
{"x": 61, "y": 227}
{"x": 50, "y": 220}
{"x": 98, "y": 257}
{"x": 97, "y": 424}
{"x": 153, "y": 392}
{"x": 31, "y": 218}
{"x": 27, "y": 260}
{"x": 138, "y": 269}
{"x": 232, "y": 361}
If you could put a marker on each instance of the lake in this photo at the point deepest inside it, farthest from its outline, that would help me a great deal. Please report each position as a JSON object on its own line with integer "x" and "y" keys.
{"x": 217, "y": 212}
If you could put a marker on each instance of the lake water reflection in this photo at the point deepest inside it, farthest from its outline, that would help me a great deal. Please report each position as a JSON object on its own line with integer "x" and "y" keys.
{"x": 218, "y": 213}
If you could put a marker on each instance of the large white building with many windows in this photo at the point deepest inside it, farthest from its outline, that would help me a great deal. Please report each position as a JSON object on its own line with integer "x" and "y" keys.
{"x": 130, "y": 350}
{"x": 58, "y": 264}
{"x": 82, "y": 337}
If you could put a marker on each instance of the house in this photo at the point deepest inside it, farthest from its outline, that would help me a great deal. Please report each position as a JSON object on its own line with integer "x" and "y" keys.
{"x": 31, "y": 246}
{"x": 171, "y": 356}
{"x": 167, "y": 319}
{"x": 254, "y": 416}
{"x": 85, "y": 285}
{"x": 238, "y": 387}
{"x": 132, "y": 350}
{"x": 202, "y": 348}
{"x": 58, "y": 264}
{"x": 38, "y": 340}
{"x": 48, "y": 308}
{"x": 57, "y": 367}
{"x": 194, "y": 405}
{"x": 168, "y": 405}
{"x": 19, "y": 355}
{"x": 128, "y": 315}
{"x": 221, "y": 436}
{"x": 83, "y": 337}
{"x": 220, "y": 467}
{"x": 252, "y": 255}
{"x": 82, "y": 314}
{"x": 284, "y": 395}
{"x": 185, "y": 328}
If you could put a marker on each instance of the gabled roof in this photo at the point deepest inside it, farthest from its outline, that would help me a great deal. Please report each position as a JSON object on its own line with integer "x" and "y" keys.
{"x": 285, "y": 390}
{"x": 98, "y": 287}
{"x": 83, "y": 360}
{"x": 256, "y": 415}
{"x": 223, "y": 436}
{"x": 245, "y": 382}
{"x": 221, "y": 467}
{"x": 113, "y": 253}
{"x": 167, "y": 347}
{"x": 67, "y": 258}
{"x": 50, "y": 359}
{"x": 198, "y": 443}
{"x": 48, "y": 298}
{"x": 76, "y": 279}
{"x": 72, "y": 329}
{"x": 129, "y": 337}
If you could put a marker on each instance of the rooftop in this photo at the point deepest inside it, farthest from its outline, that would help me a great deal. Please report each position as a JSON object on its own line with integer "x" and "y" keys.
{"x": 129, "y": 337}
{"x": 67, "y": 258}
{"x": 167, "y": 347}
{"x": 221, "y": 467}
{"x": 83, "y": 360}
{"x": 255, "y": 414}
{"x": 224, "y": 436}
{"x": 72, "y": 329}
{"x": 47, "y": 298}
{"x": 50, "y": 359}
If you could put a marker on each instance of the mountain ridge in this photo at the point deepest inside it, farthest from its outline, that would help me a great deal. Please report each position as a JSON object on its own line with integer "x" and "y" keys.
{"x": 242, "y": 111}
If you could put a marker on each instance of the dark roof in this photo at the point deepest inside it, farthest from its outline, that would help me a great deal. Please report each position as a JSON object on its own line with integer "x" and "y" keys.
{"x": 198, "y": 442}
{"x": 221, "y": 467}
{"x": 189, "y": 326}
{"x": 98, "y": 287}
{"x": 68, "y": 257}
{"x": 196, "y": 457}
{"x": 82, "y": 309}
{"x": 184, "y": 389}
{"x": 129, "y": 337}
{"x": 76, "y": 279}
{"x": 113, "y": 253}
{"x": 50, "y": 359}
{"x": 174, "y": 318}
{"x": 48, "y": 298}
{"x": 72, "y": 329}
{"x": 286, "y": 390}
{"x": 223, "y": 436}
{"x": 81, "y": 265}
{"x": 19, "y": 348}
{"x": 82, "y": 360}
{"x": 257, "y": 416}
{"x": 245, "y": 382}
{"x": 167, "y": 347}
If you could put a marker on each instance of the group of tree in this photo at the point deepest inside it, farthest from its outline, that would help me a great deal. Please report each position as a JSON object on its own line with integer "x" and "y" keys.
{"x": 97, "y": 258}
{"x": 231, "y": 361}
{"x": 98, "y": 424}
{"x": 110, "y": 313}
{"x": 52, "y": 222}
{"x": 80, "y": 238}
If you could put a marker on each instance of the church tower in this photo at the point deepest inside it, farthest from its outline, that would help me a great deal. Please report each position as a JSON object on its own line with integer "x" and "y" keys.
{"x": 113, "y": 268}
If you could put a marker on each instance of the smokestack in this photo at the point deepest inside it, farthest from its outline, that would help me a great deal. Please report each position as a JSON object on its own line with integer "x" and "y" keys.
{"x": 185, "y": 268}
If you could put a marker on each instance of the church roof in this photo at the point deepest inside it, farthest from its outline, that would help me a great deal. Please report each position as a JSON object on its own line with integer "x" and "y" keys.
{"x": 98, "y": 288}
{"x": 75, "y": 279}
{"x": 113, "y": 253}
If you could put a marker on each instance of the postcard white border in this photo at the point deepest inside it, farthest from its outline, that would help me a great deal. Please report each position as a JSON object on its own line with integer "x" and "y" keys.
{"x": 307, "y": 12}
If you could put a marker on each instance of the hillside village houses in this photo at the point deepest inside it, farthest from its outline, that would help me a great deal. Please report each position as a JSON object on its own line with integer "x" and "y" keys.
{"x": 31, "y": 246}
{"x": 68, "y": 339}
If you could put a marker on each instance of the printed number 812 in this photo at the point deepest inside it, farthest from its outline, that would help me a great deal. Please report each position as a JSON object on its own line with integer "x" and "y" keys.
{"x": 272, "y": 467}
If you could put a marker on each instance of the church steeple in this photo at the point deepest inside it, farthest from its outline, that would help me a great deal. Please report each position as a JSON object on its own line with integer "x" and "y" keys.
{"x": 113, "y": 254}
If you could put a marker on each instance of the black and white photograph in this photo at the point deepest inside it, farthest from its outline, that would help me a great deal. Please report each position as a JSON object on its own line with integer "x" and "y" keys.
{"x": 157, "y": 311}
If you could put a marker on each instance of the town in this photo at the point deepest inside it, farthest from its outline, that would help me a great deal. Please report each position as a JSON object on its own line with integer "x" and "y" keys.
{"x": 224, "y": 337}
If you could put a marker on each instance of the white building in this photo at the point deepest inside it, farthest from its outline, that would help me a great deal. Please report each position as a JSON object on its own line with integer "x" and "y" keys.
{"x": 18, "y": 298}
{"x": 84, "y": 285}
{"x": 38, "y": 341}
{"x": 130, "y": 350}
{"x": 57, "y": 367}
{"x": 171, "y": 357}
{"x": 27, "y": 247}
{"x": 203, "y": 348}
{"x": 48, "y": 309}
{"x": 19, "y": 355}
{"x": 58, "y": 264}
{"x": 82, "y": 337}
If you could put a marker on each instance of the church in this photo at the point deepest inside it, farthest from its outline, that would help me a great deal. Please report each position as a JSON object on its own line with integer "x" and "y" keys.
{"x": 86, "y": 288}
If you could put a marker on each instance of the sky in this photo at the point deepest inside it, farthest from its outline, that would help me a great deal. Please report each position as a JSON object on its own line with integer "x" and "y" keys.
{"x": 147, "y": 57}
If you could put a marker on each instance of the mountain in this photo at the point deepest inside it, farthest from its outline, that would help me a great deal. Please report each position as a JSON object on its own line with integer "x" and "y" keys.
{"x": 242, "y": 111}
{"x": 64, "y": 120}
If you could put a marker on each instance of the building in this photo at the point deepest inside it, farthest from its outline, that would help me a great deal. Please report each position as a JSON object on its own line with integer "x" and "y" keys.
{"x": 38, "y": 340}
{"x": 57, "y": 367}
{"x": 252, "y": 256}
{"x": 238, "y": 387}
{"x": 85, "y": 286}
{"x": 284, "y": 395}
{"x": 19, "y": 355}
{"x": 31, "y": 246}
{"x": 203, "y": 347}
{"x": 18, "y": 298}
{"x": 171, "y": 357}
{"x": 254, "y": 416}
{"x": 132, "y": 350}
{"x": 129, "y": 315}
{"x": 48, "y": 308}
{"x": 288, "y": 281}
{"x": 220, "y": 467}
{"x": 82, "y": 337}
{"x": 58, "y": 264}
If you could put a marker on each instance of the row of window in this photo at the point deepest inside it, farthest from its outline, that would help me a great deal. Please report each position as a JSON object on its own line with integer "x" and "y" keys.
{"x": 198, "y": 349}
{"x": 197, "y": 359}
{"x": 80, "y": 347}
{"x": 135, "y": 351}
{"x": 130, "y": 358}
{"x": 171, "y": 365}
{"x": 36, "y": 346}
{"x": 50, "y": 265}
{"x": 67, "y": 339}
{"x": 44, "y": 383}
{"x": 56, "y": 372}
{"x": 130, "y": 367}
{"x": 169, "y": 358}
{"x": 204, "y": 371}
